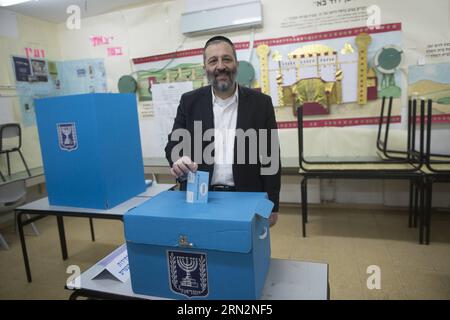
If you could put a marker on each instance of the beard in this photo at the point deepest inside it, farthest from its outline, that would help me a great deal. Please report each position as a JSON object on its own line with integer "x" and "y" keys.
{"x": 222, "y": 85}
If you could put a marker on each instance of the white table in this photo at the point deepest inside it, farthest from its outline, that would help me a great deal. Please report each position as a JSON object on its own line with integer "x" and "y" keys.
{"x": 286, "y": 280}
{"x": 41, "y": 208}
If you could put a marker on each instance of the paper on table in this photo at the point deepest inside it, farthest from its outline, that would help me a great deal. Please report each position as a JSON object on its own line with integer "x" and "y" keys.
{"x": 116, "y": 264}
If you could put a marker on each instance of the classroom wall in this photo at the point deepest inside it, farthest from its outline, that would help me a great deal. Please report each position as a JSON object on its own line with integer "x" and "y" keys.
{"x": 154, "y": 29}
{"x": 32, "y": 33}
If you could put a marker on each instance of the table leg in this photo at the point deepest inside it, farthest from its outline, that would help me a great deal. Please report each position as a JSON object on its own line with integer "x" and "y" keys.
{"x": 328, "y": 291}
{"x": 62, "y": 236}
{"x": 91, "y": 223}
{"x": 304, "y": 205}
{"x": 24, "y": 246}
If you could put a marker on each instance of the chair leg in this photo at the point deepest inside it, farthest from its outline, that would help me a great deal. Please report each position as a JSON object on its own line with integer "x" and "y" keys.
{"x": 2, "y": 176}
{"x": 416, "y": 202}
{"x": 25, "y": 163}
{"x": 428, "y": 212}
{"x": 411, "y": 202}
{"x": 15, "y": 222}
{"x": 304, "y": 200}
{"x": 3, "y": 243}
{"x": 422, "y": 212}
{"x": 9, "y": 165}
{"x": 33, "y": 226}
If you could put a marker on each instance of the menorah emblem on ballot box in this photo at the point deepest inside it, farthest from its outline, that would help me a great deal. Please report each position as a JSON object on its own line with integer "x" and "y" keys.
{"x": 67, "y": 136}
{"x": 188, "y": 273}
{"x": 188, "y": 265}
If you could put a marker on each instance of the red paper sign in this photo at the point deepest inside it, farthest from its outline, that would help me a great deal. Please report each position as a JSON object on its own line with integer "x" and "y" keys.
{"x": 101, "y": 40}
{"x": 34, "y": 53}
{"x": 115, "y": 51}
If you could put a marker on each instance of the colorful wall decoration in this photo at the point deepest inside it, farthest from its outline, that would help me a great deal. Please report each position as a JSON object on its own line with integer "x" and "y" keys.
{"x": 338, "y": 76}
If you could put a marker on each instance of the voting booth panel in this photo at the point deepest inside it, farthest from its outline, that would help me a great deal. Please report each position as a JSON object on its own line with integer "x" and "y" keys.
{"x": 214, "y": 250}
{"x": 91, "y": 149}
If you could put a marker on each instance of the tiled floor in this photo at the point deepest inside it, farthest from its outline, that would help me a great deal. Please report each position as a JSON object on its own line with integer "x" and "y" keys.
{"x": 349, "y": 240}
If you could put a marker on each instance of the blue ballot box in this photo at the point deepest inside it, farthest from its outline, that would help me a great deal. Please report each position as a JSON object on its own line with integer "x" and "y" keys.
{"x": 91, "y": 149}
{"x": 215, "y": 250}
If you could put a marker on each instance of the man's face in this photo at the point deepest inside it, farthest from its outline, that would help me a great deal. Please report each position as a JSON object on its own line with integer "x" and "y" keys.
{"x": 220, "y": 66}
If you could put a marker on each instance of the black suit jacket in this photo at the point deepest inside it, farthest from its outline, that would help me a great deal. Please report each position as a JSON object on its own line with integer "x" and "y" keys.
{"x": 255, "y": 111}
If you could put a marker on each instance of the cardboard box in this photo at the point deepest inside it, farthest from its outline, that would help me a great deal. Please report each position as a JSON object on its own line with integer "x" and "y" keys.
{"x": 91, "y": 149}
{"x": 216, "y": 250}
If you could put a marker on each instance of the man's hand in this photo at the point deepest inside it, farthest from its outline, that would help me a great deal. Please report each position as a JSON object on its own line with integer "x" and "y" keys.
{"x": 273, "y": 218}
{"x": 182, "y": 167}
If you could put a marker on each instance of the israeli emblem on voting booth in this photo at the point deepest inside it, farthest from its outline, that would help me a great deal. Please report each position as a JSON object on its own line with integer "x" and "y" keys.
{"x": 188, "y": 273}
{"x": 67, "y": 136}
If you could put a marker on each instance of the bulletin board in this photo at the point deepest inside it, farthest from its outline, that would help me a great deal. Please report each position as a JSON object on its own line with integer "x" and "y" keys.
{"x": 41, "y": 78}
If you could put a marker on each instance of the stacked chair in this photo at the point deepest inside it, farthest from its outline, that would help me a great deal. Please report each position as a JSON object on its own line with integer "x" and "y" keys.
{"x": 388, "y": 165}
{"x": 435, "y": 170}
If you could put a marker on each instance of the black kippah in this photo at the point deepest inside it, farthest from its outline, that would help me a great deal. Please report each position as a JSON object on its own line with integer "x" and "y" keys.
{"x": 219, "y": 38}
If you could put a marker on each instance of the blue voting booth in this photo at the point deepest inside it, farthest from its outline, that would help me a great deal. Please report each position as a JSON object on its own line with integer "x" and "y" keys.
{"x": 214, "y": 250}
{"x": 91, "y": 149}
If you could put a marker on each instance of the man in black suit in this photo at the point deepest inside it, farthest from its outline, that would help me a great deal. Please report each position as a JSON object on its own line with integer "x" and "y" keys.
{"x": 228, "y": 130}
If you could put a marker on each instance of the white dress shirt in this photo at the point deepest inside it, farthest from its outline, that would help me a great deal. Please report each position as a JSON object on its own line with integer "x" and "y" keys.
{"x": 225, "y": 119}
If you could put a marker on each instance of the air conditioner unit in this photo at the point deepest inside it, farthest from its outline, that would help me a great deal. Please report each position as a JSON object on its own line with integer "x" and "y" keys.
{"x": 223, "y": 19}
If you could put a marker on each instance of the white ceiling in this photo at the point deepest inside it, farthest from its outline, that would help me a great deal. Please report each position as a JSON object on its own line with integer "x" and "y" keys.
{"x": 55, "y": 10}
